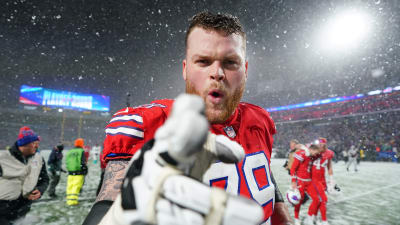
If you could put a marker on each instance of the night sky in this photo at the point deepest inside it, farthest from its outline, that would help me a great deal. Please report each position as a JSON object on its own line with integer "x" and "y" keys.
{"x": 114, "y": 47}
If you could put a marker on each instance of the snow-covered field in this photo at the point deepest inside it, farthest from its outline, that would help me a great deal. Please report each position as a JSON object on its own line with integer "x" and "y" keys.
{"x": 56, "y": 211}
{"x": 369, "y": 197}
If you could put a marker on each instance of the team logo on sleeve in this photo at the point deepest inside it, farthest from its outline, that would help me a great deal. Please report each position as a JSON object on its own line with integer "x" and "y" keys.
{"x": 230, "y": 132}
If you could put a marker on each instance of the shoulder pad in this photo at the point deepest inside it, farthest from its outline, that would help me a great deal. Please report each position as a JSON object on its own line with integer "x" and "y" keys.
{"x": 259, "y": 114}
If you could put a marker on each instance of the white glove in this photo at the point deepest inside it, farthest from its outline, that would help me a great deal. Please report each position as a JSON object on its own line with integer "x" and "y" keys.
{"x": 162, "y": 195}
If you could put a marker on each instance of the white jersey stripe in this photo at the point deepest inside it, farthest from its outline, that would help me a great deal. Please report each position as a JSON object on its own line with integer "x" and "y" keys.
{"x": 298, "y": 178}
{"x": 298, "y": 157}
{"x": 125, "y": 131}
{"x": 125, "y": 111}
{"x": 135, "y": 118}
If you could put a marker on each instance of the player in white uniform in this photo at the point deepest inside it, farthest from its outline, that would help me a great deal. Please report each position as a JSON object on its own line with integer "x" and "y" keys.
{"x": 353, "y": 154}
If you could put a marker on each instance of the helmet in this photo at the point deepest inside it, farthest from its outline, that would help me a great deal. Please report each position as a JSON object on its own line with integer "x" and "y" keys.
{"x": 293, "y": 196}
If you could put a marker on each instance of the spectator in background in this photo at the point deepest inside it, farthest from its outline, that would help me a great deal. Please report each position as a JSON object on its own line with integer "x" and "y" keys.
{"x": 55, "y": 169}
{"x": 77, "y": 169}
{"x": 345, "y": 156}
{"x": 95, "y": 152}
{"x": 362, "y": 156}
{"x": 23, "y": 178}
{"x": 86, "y": 150}
{"x": 353, "y": 154}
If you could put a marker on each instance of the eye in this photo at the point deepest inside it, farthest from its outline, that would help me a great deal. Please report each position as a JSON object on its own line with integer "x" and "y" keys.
{"x": 202, "y": 62}
{"x": 231, "y": 64}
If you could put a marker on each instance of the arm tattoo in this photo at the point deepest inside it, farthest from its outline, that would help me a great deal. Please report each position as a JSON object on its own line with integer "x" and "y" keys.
{"x": 113, "y": 178}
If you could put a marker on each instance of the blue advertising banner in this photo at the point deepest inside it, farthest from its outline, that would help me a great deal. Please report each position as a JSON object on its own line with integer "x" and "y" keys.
{"x": 64, "y": 99}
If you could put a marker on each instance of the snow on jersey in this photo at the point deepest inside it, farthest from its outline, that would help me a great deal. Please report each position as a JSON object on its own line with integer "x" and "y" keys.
{"x": 320, "y": 164}
{"x": 250, "y": 126}
{"x": 301, "y": 167}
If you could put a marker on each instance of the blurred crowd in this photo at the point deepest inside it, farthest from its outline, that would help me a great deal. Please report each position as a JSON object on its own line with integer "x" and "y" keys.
{"x": 376, "y": 135}
{"x": 52, "y": 127}
{"x": 370, "y": 104}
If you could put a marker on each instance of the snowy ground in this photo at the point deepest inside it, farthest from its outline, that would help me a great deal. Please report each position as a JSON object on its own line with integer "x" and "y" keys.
{"x": 56, "y": 212}
{"x": 369, "y": 197}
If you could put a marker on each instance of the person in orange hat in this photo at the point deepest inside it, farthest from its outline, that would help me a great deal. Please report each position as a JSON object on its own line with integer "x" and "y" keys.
{"x": 77, "y": 169}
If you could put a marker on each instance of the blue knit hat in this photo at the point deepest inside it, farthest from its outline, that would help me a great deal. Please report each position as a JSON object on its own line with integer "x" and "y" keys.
{"x": 26, "y": 136}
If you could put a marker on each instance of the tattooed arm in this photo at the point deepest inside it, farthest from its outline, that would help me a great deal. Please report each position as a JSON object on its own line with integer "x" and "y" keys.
{"x": 113, "y": 177}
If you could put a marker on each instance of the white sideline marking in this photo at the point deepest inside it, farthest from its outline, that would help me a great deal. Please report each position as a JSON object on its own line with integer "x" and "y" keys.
{"x": 365, "y": 193}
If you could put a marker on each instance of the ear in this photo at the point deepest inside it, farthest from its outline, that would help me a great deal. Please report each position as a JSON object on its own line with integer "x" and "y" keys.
{"x": 184, "y": 69}
{"x": 246, "y": 65}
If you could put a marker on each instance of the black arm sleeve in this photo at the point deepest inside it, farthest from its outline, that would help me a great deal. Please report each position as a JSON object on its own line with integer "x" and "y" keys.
{"x": 127, "y": 196}
{"x": 97, "y": 212}
{"x": 43, "y": 180}
{"x": 136, "y": 167}
{"x": 278, "y": 194}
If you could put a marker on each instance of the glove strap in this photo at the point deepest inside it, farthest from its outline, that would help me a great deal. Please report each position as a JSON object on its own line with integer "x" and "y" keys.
{"x": 167, "y": 171}
{"x": 218, "y": 205}
{"x": 209, "y": 145}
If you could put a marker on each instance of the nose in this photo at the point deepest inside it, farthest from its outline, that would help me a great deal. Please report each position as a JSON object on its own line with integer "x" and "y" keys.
{"x": 217, "y": 72}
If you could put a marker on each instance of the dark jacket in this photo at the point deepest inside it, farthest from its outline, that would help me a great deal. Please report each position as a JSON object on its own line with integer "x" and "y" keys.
{"x": 14, "y": 209}
{"x": 55, "y": 160}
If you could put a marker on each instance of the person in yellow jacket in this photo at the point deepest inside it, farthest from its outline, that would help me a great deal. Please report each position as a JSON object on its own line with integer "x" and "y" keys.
{"x": 77, "y": 169}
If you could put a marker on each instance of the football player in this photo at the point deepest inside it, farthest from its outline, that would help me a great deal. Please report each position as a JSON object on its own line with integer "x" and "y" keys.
{"x": 322, "y": 164}
{"x": 319, "y": 188}
{"x": 353, "y": 155}
{"x": 215, "y": 68}
{"x": 325, "y": 163}
{"x": 301, "y": 179}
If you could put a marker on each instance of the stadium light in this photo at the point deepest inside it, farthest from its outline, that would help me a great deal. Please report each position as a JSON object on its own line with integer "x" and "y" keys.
{"x": 344, "y": 31}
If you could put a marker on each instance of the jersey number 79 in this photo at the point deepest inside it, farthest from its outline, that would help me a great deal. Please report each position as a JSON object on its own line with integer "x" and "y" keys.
{"x": 251, "y": 177}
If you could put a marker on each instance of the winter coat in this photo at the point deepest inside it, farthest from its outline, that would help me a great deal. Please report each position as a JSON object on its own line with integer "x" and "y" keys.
{"x": 55, "y": 160}
{"x": 18, "y": 206}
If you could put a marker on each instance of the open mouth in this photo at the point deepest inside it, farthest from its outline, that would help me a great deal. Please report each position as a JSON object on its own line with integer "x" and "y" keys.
{"x": 216, "y": 94}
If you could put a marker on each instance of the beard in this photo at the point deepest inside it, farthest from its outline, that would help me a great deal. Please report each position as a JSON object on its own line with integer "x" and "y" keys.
{"x": 218, "y": 113}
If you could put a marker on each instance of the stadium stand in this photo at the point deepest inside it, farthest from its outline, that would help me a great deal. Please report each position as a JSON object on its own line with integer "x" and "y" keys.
{"x": 52, "y": 126}
{"x": 371, "y": 124}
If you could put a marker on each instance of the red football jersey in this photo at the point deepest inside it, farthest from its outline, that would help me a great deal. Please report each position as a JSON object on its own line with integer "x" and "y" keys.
{"x": 130, "y": 128}
{"x": 319, "y": 165}
{"x": 301, "y": 167}
{"x": 250, "y": 126}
